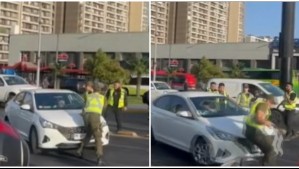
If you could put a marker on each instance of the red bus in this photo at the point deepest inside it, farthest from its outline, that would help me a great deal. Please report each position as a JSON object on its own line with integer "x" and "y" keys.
{"x": 179, "y": 81}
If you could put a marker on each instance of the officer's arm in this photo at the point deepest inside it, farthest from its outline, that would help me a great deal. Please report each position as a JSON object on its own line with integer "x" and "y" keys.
{"x": 126, "y": 99}
{"x": 292, "y": 98}
{"x": 108, "y": 93}
{"x": 239, "y": 99}
{"x": 261, "y": 117}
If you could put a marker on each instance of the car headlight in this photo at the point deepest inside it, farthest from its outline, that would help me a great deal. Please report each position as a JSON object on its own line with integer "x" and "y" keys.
{"x": 220, "y": 135}
{"x": 47, "y": 124}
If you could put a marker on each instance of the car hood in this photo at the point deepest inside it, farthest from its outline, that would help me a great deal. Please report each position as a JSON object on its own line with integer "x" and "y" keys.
{"x": 64, "y": 118}
{"x": 233, "y": 125}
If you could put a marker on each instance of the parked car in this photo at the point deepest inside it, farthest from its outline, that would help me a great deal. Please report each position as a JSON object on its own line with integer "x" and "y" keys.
{"x": 133, "y": 83}
{"x": 10, "y": 85}
{"x": 14, "y": 150}
{"x": 192, "y": 122}
{"x": 183, "y": 82}
{"x": 50, "y": 119}
{"x": 159, "y": 88}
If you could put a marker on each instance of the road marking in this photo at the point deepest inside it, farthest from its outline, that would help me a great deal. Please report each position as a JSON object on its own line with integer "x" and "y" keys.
{"x": 132, "y": 137}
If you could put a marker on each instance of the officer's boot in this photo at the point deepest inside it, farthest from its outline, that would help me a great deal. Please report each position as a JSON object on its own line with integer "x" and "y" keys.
{"x": 79, "y": 152}
{"x": 100, "y": 161}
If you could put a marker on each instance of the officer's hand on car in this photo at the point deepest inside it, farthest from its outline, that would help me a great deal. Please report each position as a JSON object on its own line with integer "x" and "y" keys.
{"x": 269, "y": 124}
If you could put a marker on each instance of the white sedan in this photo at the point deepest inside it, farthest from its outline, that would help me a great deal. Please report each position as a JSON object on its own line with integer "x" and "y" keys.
{"x": 160, "y": 88}
{"x": 195, "y": 122}
{"x": 50, "y": 119}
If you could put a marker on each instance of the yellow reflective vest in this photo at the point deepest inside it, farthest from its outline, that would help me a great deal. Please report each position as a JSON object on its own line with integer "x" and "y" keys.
{"x": 244, "y": 99}
{"x": 121, "y": 102}
{"x": 251, "y": 118}
{"x": 290, "y": 106}
{"x": 94, "y": 103}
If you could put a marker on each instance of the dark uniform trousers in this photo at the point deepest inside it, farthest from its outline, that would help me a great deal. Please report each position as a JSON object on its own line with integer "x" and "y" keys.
{"x": 93, "y": 128}
{"x": 287, "y": 115}
{"x": 264, "y": 142}
{"x": 117, "y": 114}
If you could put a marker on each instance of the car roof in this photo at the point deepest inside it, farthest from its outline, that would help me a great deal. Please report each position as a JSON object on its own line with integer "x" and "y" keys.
{"x": 158, "y": 82}
{"x": 237, "y": 80}
{"x": 43, "y": 91}
{"x": 193, "y": 94}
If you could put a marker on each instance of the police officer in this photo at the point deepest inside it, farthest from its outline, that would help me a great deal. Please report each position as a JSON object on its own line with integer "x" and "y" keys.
{"x": 244, "y": 98}
{"x": 94, "y": 106}
{"x": 289, "y": 103}
{"x": 117, "y": 102}
{"x": 213, "y": 88}
{"x": 256, "y": 123}
{"x": 221, "y": 90}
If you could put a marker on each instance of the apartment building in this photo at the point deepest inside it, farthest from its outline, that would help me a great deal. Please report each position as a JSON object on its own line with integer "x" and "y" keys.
{"x": 23, "y": 18}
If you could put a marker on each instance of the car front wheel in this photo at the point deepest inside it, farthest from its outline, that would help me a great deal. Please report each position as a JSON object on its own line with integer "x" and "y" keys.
{"x": 34, "y": 142}
{"x": 201, "y": 152}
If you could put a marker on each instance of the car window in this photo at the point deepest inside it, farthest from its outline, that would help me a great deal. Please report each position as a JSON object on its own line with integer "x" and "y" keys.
{"x": 178, "y": 104}
{"x": 28, "y": 99}
{"x": 1, "y": 82}
{"x": 14, "y": 80}
{"x": 274, "y": 90}
{"x": 256, "y": 91}
{"x": 163, "y": 103}
{"x": 19, "y": 98}
{"x": 162, "y": 86}
{"x": 216, "y": 107}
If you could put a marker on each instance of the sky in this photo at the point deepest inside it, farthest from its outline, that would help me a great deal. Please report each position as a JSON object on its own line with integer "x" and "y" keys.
{"x": 264, "y": 18}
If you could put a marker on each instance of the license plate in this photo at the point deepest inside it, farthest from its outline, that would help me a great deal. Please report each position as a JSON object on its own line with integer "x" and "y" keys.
{"x": 79, "y": 136}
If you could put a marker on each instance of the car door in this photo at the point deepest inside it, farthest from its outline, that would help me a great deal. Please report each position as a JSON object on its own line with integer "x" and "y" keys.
{"x": 14, "y": 109}
{"x": 26, "y": 116}
{"x": 159, "y": 113}
{"x": 3, "y": 89}
{"x": 182, "y": 130}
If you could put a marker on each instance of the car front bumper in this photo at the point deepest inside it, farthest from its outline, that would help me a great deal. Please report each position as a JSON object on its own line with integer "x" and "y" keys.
{"x": 225, "y": 152}
{"x": 54, "y": 139}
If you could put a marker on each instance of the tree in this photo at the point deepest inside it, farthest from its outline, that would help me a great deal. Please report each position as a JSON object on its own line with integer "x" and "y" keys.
{"x": 237, "y": 71}
{"x": 58, "y": 73}
{"x": 206, "y": 70}
{"x": 104, "y": 69}
{"x": 139, "y": 66}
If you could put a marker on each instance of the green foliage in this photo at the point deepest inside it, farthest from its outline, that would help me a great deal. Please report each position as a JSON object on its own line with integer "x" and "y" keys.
{"x": 138, "y": 66}
{"x": 206, "y": 70}
{"x": 237, "y": 71}
{"x": 104, "y": 69}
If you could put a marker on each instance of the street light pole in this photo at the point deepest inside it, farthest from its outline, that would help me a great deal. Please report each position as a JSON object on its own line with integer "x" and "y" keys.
{"x": 286, "y": 43}
{"x": 39, "y": 46}
{"x": 156, "y": 39}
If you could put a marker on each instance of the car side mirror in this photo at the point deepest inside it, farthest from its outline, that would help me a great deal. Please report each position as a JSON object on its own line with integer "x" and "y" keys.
{"x": 26, "y": 107}
{"x": 185, "y": 114}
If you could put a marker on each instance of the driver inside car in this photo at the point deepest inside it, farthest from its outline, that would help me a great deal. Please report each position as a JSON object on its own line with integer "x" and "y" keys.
{"x": 61, "y": 104}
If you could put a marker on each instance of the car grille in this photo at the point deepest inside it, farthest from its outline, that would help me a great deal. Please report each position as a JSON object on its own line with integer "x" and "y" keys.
{"x": 68, "y": 132}
{"x": 250, "y": 147}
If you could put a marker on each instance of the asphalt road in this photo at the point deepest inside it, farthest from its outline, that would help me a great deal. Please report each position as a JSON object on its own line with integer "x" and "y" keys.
{"x": 122, "y": 150}
{"x": 163, "y": 155}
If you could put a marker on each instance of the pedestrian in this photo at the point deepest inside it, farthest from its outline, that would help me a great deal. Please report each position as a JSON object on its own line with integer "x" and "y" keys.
{"x": 94, "y": 106}
{"x": 289, "y": 103}
{"x": 45, "y": 83}
{"x": 245, "y": 97}
{"x": 117, "y": 103}
{"x": 213, "y": 88}
{"x": 257, "y": 122}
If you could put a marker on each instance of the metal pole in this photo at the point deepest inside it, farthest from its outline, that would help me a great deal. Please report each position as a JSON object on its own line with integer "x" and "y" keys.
{"x": 56, "y": 60}
{"x": 39, "y": 47}
{"x": 156, "y": 39}
{"x": 286, "y": 45}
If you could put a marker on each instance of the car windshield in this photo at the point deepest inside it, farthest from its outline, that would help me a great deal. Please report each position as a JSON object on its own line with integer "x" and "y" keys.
{"x": 58, "y": 101}
{"x": 274, "y": 90}
{"x": 14, "y": 80}
{"x": 161, "y": 86}
{"x": 216, "y": 107}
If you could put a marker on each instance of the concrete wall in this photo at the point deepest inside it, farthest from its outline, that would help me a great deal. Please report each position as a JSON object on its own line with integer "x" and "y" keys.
{"x": 108, "y": 42}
